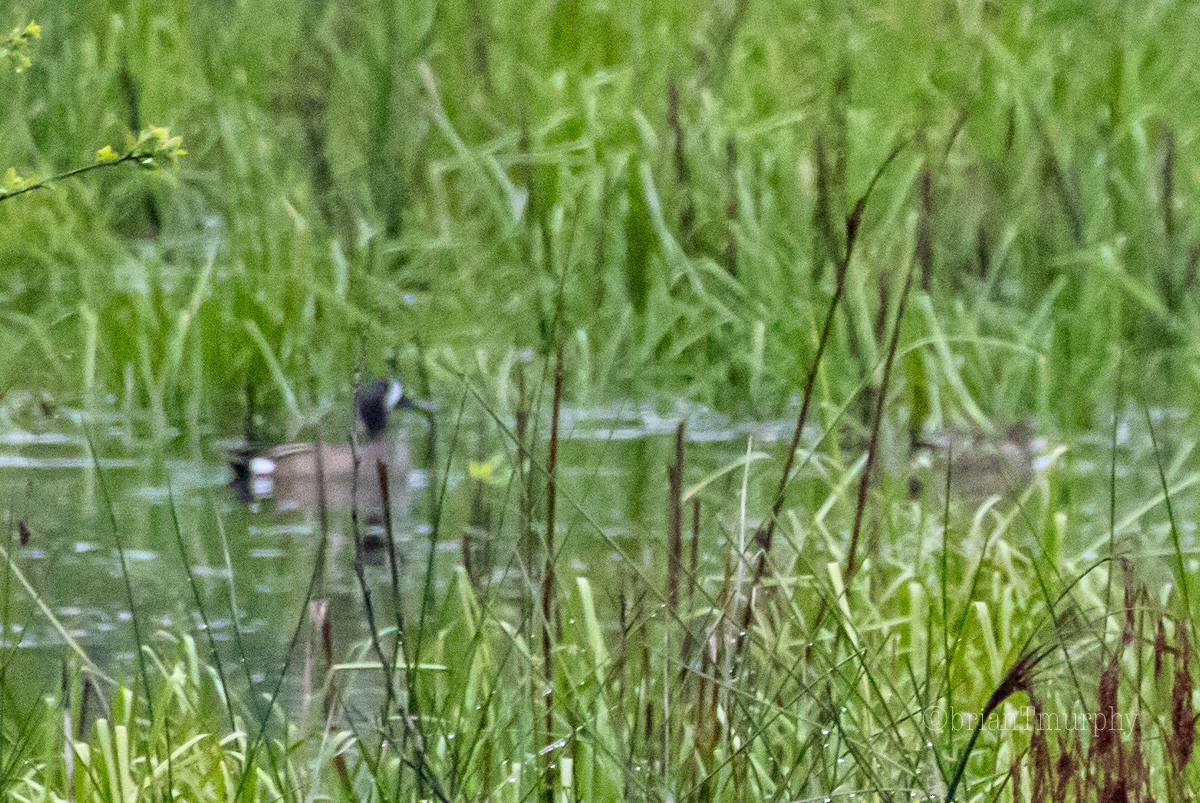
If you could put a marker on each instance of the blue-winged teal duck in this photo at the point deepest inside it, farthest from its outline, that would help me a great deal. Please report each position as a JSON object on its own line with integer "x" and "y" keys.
{"x": 288, "y": 473}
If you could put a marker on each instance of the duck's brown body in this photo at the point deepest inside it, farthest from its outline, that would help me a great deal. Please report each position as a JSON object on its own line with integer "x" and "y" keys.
{"x": 303, "y": 475}
{"x": 290, "y": 475}
{"x": 983, "y": 465}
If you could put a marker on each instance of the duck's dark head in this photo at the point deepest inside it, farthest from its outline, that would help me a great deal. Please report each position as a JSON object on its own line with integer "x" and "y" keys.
{"x": 377, "y": 399}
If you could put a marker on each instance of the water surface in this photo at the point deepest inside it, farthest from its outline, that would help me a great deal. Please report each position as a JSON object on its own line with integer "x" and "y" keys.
{"x": 64, "y": 502}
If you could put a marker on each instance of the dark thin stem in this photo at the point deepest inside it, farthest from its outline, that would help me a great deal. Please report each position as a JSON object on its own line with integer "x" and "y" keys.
{"x": 208, "y": 630}
{"x": 133, "y": 617}
{"x": 393, "y": 567}
{"x": 78, "y": 171}
{"x": 864, "y": 481}
{"x": 314, "y": 582}
{"x": 526, "y": 539}
{"x": 675, "y": 526}
{"x": 1181, "y": 573}
{"x": 424, "y": 771}
{"x": 548, "y": 626}
{"x": 1112, "y": 485}
{"x": 766, "y": 536}
{"x": 360, "y": 571}
{"x": 961, "y": 769}
{"x": 945, "y": 579}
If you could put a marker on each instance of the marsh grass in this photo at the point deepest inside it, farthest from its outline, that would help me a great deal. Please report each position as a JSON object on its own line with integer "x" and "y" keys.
{"x": 842, "y": 684}
{"x": 662, "y": 205}
{"x": 350, "y": 176}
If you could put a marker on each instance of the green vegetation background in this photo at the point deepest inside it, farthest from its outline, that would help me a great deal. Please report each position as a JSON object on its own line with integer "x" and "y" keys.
{"x": 412, "y": 172}
{"x": 665, "y": 188}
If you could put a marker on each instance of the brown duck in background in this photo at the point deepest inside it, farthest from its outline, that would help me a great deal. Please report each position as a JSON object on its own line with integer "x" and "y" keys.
{"x": 983, "y": 464}
{"x": 288, "y": 473}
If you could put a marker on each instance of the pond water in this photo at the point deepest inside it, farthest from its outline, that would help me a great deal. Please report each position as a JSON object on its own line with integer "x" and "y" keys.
{"x": 612, "y": 520}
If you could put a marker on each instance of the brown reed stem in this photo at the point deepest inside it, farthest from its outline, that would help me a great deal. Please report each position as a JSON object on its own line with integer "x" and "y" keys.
{"x": 694, "y": 558}
{"x": 731, "y": 207}
{"x": 924, "y": 246}
{"x": 873, "y": 445}
{"x": 687, "y": 217}
{"x": 689, "y": 641}
{"x": 526, "y": 540}
{"x": 1019, "y": 677}
{"x": 548, "y": 610}
{"x": 765, "y": 537}
{"x": 675, "y": 523}
{"x": 385, "y": 495}
{"x": 420, "y": 763}
{"x": 360, "y": 571}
